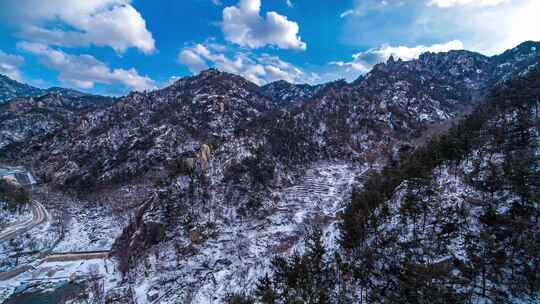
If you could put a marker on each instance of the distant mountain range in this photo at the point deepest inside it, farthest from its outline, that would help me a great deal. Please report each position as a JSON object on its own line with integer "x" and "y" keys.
{"x": 10, "y": 89}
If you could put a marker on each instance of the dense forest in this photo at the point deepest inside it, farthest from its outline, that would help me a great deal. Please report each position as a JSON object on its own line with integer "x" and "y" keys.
{"x": 454, "y": 221}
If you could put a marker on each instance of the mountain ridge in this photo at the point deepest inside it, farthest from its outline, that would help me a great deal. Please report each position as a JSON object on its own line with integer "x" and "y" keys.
{"x": 395, "y": 102}
{"x": 10, "y": 89}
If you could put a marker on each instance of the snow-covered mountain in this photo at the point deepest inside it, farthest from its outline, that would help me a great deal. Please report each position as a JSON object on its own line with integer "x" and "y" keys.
{"x": 236, "y": 174}
{"x": 396, "y": 102}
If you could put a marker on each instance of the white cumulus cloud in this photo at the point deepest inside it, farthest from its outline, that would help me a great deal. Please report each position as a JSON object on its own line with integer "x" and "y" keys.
{"x": 76, "y": 23}
{"x": 260, "y": 69}
{"x": 486, "y": 26}
{"x": 451, "y": 3}
{"x": 192, "y": 60}
{"x": 10, "y": 65}
{"x": 243, "y": 24}
{"x": 84, "y": 71}
{"x": 490, "y": 29}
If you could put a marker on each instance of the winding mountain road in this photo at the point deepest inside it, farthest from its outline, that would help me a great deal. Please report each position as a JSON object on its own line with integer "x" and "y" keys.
{"x": 39, "y": 216}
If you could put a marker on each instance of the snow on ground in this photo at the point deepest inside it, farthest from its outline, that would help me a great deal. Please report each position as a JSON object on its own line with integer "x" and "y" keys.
{"x": 89, "y": 228}
{"x": 239, "y": 252}
{"x": 85, "y": 226}
{"x": 25, "y": 248}
{"x": 53, "y": 274}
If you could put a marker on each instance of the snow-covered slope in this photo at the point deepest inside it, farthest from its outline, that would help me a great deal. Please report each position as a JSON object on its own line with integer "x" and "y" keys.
{"x": 462, "y": 221}
{"x": 222, "y": 251}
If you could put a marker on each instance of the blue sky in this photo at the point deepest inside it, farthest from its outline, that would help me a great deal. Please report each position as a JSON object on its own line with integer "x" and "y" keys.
{"x": 114, "y": 46}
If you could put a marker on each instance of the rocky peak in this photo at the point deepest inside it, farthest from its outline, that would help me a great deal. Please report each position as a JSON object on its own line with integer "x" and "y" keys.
{"x": 211, "y": 77}
{"x": 521, "y": 52}
{"x": 215, "y": 95}
{"x": 215, "y": 86}
{"x": 456, "y": 63}
{"x": 516, "y": 61}
{"x": 209, "y": 73}
{"x": 10, "y": 89}
{"x": 391, "y": 60}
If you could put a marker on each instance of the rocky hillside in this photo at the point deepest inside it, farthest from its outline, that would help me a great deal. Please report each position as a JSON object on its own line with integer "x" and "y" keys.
{"x": 29, "y": 121}
{"x": 239, "y": 187}
{"x": 457, "y": 219}
{"x": 397, "y": 102}
{"x": 146, "y": 132}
